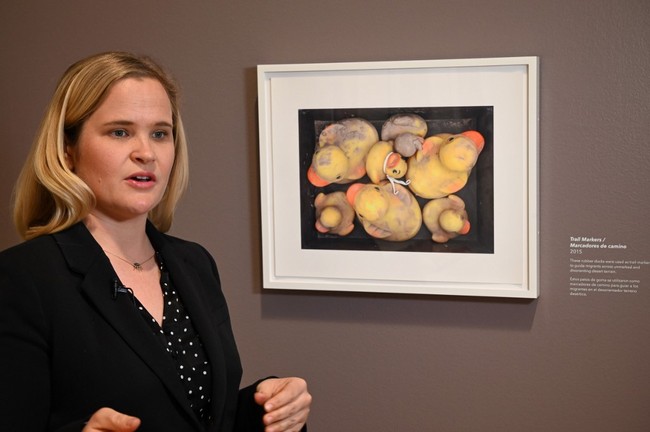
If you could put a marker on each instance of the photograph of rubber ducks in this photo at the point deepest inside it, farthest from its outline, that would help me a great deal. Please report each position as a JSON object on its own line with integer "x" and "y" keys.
{"x": 415, "y": 179}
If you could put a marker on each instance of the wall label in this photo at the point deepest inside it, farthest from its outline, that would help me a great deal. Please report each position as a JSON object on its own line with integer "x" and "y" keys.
{"x": 597, "y": 266}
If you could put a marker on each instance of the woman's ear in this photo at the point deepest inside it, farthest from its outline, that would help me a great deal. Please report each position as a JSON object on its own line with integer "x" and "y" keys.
{"x": 69, "y": 160}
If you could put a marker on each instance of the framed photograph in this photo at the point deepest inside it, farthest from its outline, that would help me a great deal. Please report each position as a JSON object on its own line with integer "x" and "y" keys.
{"x": 411, "y": 177}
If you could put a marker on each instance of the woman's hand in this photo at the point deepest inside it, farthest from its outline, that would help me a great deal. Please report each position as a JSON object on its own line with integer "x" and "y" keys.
{"x": 286, "y": 402}
{"x": 109, "y": 420}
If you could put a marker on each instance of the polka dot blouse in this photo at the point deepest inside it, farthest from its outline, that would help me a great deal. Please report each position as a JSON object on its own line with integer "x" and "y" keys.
{"x": 184, "y": 346}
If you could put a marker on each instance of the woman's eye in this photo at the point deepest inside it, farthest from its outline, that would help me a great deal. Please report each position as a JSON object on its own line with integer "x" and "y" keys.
{"x": 160, "y": 134}
{"x": 119, "y": 133}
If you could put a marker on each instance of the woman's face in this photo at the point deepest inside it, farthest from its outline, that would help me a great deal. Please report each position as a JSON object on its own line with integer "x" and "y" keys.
{"x": 125, "y": 151}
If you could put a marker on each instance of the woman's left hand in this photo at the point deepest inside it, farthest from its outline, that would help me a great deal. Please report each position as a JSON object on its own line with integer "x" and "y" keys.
{"x": 286, "y": 402}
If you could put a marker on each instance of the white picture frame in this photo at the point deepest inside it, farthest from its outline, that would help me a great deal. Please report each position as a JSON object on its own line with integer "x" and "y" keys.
{"x": 505, "y": 89}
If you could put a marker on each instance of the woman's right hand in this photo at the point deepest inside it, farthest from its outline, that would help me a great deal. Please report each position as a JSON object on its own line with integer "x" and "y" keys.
{"x": 109, "y": 420}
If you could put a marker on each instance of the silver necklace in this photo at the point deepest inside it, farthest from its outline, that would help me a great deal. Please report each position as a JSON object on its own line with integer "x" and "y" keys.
{"x": 136, "y": 265}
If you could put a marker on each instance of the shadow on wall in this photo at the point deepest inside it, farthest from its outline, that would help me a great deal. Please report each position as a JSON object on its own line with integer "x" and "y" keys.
{"x": 439, "y": 311}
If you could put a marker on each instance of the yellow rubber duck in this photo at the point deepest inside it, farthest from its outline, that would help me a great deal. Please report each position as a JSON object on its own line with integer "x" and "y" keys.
{"x": 403, "y": 123}
{"x": 446, "y": 218}
{"x": 444, "y": 164}
{"x": 383, "y": 162}
{"x": 340, "y": 155}
{"x": 334, "y": 214}
{"x": 384, "y": 214}
{"x": 407, "y": 131}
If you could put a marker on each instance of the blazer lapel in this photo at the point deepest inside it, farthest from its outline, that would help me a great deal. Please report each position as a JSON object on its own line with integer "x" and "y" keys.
{"x": 85, "y": 256}
{"x": 189, "y": 284}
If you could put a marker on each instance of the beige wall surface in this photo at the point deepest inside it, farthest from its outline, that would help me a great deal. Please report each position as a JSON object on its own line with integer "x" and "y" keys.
{"x": 396, "y": 362}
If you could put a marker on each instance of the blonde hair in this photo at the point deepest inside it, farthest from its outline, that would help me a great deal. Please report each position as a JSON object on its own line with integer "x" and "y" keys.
{"x": 48, "y": 196}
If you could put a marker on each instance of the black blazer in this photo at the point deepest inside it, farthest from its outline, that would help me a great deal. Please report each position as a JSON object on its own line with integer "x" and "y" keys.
{"x": 69, "y": 346}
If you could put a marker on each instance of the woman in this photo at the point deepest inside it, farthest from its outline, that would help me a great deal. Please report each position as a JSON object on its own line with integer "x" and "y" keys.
{"x": 107, "y": 323}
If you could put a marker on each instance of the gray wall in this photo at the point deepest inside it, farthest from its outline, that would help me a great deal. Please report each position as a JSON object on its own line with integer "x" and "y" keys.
{"x": 388, "y": 362}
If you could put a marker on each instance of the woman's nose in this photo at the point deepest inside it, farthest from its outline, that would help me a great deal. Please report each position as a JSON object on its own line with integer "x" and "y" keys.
{"x": 143, "y": 150}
